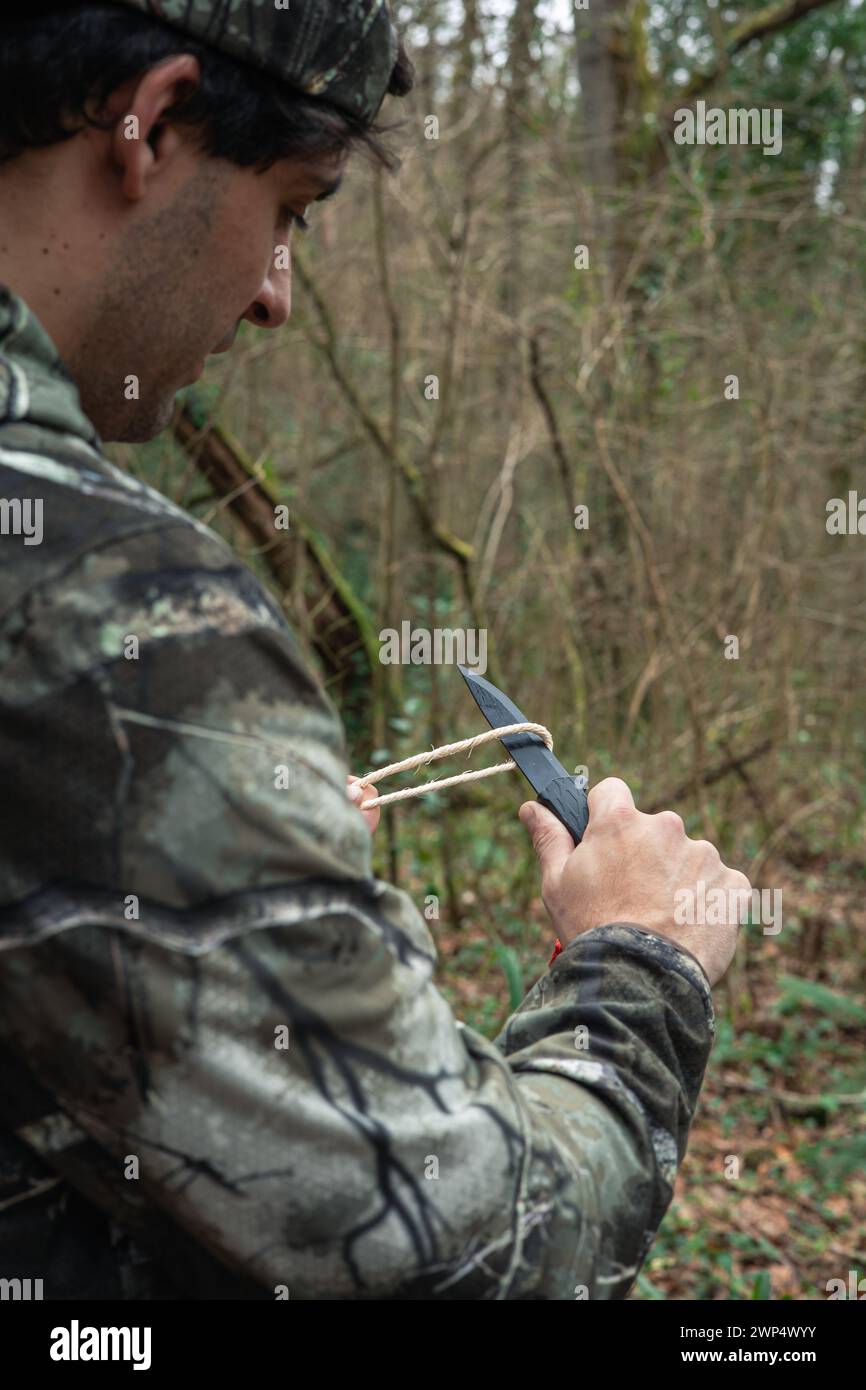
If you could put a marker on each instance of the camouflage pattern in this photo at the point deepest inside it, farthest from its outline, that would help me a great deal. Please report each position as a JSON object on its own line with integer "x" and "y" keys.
{"x": 168, "y": 909}
{"x": 343, "y": 50}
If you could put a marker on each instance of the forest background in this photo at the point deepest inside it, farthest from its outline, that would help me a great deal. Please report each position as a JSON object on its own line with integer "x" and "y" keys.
{"x": 555, "y": 306}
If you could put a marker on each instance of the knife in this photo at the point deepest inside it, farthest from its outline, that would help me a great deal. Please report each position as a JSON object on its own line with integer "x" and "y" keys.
{"x": 556, "y": 789}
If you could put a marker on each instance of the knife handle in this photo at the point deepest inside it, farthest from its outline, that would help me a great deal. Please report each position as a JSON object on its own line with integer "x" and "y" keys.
{"x": 566, "y": 798}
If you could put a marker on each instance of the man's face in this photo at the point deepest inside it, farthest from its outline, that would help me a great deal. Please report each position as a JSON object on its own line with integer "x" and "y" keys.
{"x": 205, "y": 252}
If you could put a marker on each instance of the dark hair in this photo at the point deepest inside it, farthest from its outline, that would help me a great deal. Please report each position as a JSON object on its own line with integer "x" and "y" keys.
{"x": 59, "y": 65}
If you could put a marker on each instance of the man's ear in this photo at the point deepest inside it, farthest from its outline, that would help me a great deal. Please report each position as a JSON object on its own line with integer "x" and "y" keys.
{"x": 142, "y": 143}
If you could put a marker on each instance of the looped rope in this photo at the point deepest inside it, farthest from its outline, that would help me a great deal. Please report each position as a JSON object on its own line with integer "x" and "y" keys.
{"x": 419, "y": 760}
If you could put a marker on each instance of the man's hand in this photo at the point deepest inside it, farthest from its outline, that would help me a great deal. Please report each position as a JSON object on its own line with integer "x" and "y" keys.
{"x": 629, "y": 867}
{"x": 359, "y": 792}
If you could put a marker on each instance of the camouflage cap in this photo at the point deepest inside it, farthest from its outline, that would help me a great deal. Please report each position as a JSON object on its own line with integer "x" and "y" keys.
{"x": 343, "y": 50}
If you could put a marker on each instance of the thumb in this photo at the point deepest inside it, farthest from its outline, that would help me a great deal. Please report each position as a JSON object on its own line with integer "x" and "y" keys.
{"x": 550, "y": 839}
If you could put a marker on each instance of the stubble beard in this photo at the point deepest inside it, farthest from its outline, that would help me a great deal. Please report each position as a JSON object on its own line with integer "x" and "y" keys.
{"x": 144, "y": 337}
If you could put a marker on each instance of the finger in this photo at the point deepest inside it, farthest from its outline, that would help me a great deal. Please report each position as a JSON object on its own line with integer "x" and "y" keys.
{"x": 550, "y": 839}
{"x": 372, "y": 817}
{"x": 671, "y": 821}
{"x": 609, "y": 798}
{"x": 358, "y": 792}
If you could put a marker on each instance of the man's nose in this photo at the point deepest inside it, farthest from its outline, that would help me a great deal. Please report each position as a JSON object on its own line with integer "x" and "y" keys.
{"x": 273, "y": 303}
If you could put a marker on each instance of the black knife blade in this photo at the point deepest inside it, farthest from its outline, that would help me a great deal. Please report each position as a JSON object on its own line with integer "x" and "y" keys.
{"x": 555, "y": 788}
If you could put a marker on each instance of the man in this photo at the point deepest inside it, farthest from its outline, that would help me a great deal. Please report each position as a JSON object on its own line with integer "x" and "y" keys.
{"x": 225, "y": 1070}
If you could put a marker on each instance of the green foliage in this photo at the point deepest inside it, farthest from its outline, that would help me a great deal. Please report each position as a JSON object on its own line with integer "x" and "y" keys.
{"x": 762, "y": 1288}
{"x": 834, "y": 1163}
{"x": 796, "y": 991}
{"x": 510, "y": 965}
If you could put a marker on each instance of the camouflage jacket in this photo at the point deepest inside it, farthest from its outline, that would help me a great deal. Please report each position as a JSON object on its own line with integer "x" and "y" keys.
{"x": 225, "y": 1068}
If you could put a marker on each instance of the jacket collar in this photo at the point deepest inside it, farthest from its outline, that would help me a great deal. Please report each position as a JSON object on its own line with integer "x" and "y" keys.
{"x": 35, "y": 387}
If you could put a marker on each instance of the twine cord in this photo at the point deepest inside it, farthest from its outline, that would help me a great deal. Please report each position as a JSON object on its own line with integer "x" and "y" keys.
{"x": 420, "y": 759}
